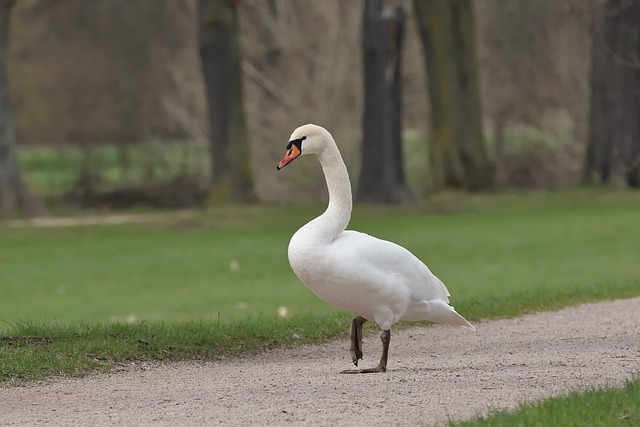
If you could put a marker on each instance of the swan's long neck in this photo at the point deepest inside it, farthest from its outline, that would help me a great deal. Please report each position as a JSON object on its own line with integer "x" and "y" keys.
{"x": 335, "y": 219}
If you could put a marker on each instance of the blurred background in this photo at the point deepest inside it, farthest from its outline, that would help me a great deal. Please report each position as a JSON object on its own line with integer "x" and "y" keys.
{"x": 109, "y": 104}
{"x": 111, "y": 110}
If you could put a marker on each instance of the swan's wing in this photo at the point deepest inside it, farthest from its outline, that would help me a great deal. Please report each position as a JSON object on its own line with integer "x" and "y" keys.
{"x": 375, "y": 259}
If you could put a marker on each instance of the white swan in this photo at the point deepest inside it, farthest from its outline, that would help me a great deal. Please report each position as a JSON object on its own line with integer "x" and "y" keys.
{"x": 376, "y": 279}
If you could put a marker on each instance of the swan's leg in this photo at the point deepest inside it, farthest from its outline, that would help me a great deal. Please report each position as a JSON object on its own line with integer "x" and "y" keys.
{"x": 385, "y": 337}
{"x": 356, "y": 338}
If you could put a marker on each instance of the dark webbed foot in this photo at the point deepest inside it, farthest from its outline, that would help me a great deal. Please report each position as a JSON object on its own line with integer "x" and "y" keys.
{"x": 365, "y": 371}
{"x": 356, "y": 338}
{"x": 385, "y": 337}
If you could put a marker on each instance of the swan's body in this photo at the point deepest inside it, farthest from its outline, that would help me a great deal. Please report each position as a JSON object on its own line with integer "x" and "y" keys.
{"x": 376, "y": 279}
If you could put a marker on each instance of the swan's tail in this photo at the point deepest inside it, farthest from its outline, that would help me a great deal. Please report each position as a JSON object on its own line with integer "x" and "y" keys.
{"x": 439, "y": 311}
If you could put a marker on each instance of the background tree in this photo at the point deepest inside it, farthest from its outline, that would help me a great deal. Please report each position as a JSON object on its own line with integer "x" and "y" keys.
{"x": 457, "y": 151}
{"x": 13, "y": 191}
{"x": 613, "y": 152}
{"x": 94, "y": 79}
{"x": 382, "y": 177}
{"x": 220, "y": 51}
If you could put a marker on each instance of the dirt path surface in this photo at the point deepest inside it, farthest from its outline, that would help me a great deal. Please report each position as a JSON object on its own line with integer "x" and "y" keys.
{"x": 435, "y": 373}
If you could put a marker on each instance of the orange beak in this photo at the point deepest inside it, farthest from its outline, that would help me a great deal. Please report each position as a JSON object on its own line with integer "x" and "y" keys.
{"x": 292, "y": 153}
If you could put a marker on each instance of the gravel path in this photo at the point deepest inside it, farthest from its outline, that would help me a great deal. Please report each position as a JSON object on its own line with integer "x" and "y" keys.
{"x": 435, "y": 373}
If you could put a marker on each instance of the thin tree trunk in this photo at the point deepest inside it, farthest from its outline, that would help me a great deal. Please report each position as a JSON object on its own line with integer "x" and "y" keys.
{"x": 596, "y": 163}
{"x": 613, "y": 153}
{"x": 13, "y": 192}
{"x": 457, "y": 151}
{"x": 381, "y": 175}
{"x": 231, "y": 175}
{"x": 396, "y": 27}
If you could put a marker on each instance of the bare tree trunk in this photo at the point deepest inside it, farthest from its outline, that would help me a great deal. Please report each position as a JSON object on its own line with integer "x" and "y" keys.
{"x": 396, "y": 25}
{"x": 382, "y": 175}
{"x": 13, "y": 193}
{"x": 231, "y": 175}
{"x": 457, "y": 151}
{"x": 613, "y": 152}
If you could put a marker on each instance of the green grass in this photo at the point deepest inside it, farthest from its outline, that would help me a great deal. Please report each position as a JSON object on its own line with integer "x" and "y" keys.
{"x": 186, "y": 283}
{"x": 595, "y": 407}
{"x": 35, "y": 350}
{"x": 57, "y": 169}
{"x": 185, "y": 270}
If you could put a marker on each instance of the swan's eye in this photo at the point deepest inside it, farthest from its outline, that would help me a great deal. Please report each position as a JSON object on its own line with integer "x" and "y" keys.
{"x": 296, "y": 142}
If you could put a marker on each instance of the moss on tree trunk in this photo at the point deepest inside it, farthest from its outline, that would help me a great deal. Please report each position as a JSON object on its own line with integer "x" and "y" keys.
{"x": 457, "y": 149}
{"x": 220, "y": 51}
{"x": 13, "y": 192}
{"x": 613, "y": 151}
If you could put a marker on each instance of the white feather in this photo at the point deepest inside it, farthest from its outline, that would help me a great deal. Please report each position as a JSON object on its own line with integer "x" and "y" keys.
{"x": 376, "y": 279}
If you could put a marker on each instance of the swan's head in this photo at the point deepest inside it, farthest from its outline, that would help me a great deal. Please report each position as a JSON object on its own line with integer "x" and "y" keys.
{"x": 307, "y": 139}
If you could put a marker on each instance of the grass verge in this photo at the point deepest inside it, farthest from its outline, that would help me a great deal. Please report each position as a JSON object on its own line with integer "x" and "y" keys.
{"x": 31, "y": 351}
{"x": 615, "y": 406}
{"x": 211, "y": 285}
